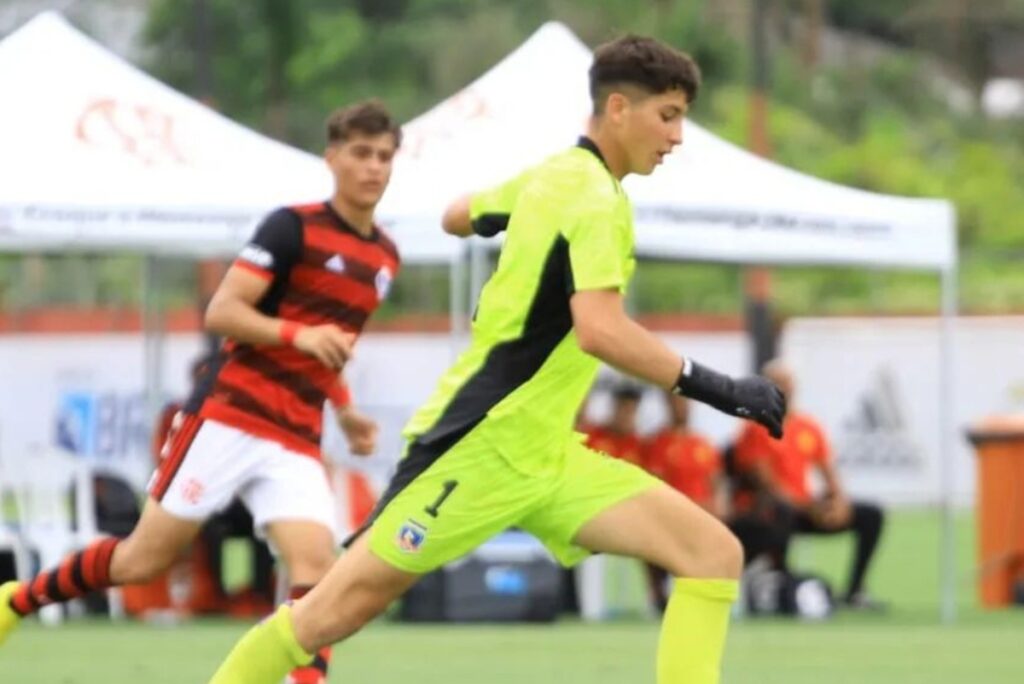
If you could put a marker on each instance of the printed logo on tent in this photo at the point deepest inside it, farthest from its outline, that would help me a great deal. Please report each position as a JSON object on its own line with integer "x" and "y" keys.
{"x": 135, "y": 129}
{"x": 443, "y": 123}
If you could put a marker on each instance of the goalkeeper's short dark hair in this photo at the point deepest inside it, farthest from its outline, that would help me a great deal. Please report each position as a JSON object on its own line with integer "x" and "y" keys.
{"x": 643, "y": 63}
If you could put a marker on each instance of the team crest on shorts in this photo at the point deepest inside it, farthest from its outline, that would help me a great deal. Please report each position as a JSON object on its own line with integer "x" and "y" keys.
{"x": 411, "y": 536}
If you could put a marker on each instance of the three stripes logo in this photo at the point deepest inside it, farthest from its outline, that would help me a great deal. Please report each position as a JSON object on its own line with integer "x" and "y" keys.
{"x": 875, "y": 434}
{"x": 335, "y": 264}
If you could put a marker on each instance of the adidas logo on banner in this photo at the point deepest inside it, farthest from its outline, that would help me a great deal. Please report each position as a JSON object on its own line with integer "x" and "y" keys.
{"x": 875, "y": 433}
{"x": 335, "y": 263}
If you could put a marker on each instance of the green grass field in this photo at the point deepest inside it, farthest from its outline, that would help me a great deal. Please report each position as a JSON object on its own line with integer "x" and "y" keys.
{"x": 905, "y": 646}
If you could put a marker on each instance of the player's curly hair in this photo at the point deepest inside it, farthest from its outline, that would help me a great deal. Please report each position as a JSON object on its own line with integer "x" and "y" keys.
{"x": 370, "y": 117}
{"x": 644, "y": 63}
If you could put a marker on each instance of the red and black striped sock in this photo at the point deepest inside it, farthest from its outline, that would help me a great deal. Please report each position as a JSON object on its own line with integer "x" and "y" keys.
{"x": 315, "y": 672}
{"x": 79, "y": 574}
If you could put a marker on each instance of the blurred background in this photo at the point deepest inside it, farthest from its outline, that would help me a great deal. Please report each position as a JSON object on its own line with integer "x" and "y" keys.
{"x": 909, "y": 98}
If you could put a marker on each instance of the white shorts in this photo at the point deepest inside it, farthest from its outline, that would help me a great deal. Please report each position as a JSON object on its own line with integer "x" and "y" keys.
{"x": 207, "y": 464}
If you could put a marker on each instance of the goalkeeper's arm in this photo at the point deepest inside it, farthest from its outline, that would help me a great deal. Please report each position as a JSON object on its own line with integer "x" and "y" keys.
{"x": 604, "y": 330}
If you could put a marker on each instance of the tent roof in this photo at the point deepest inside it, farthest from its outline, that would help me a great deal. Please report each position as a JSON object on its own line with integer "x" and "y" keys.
{"x": 106, "y": 157}
{"x": 709, "y": 201}
{"x": 97, "y": 155}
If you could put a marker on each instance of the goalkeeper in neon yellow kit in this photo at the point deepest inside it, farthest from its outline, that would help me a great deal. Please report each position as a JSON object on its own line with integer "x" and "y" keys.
{"x": 494, "y": 446}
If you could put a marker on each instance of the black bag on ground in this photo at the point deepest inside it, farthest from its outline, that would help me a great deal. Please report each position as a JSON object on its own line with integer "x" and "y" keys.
{"x": 801, "y": 595}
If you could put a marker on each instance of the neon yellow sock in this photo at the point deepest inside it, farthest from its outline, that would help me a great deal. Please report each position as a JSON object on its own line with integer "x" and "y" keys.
{"x": 693, "y": 631}
{"x": 265, "y": 654}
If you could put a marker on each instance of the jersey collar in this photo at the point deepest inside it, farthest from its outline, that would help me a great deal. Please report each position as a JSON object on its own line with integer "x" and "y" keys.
{"x": 343, "y": 225}
{"x": 590, "y": 146}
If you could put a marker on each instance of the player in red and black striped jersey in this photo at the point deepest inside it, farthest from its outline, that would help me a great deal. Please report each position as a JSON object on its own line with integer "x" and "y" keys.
{"x": 317, "y": 278}
{"x": 290, "y": 307}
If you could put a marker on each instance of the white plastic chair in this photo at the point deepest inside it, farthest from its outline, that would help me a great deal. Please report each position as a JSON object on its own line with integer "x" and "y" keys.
{"x": 43, "y": 479}
{"x": 11, "y": 539}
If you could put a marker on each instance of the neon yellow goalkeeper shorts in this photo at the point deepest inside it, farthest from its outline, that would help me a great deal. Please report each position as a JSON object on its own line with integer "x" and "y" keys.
{"x": 443, "y": 504}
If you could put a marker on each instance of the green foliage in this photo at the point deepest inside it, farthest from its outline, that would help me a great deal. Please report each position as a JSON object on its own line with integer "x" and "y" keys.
{"x": 884, "y": 124}
{"x": 685, "y": 287}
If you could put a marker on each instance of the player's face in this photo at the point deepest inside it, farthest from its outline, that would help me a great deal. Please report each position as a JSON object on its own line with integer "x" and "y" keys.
{"x": 652, "y": 127}
{"x": 362, "y": 167}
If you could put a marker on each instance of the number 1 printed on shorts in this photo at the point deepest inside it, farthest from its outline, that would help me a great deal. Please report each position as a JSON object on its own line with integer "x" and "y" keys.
{"x": 447, "y": 488}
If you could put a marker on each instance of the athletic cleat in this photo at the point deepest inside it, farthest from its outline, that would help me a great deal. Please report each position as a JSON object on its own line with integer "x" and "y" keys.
{"x": 8, "y": 618}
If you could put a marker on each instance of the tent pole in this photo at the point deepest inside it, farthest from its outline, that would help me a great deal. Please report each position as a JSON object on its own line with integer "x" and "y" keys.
{"x": 946, "y": 451}
{"x": 457, "y": 301}
{"x": 477, "y": 273}
{"x": 152, "y": 337}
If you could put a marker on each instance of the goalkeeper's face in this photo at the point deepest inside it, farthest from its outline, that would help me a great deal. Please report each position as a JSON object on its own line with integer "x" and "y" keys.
{"x": 651, "y": 127}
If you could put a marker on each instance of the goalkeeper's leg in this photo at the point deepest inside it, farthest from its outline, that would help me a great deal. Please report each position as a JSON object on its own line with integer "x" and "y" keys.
{"x": 663, "y": 527}
{"x": 358, "y": 588}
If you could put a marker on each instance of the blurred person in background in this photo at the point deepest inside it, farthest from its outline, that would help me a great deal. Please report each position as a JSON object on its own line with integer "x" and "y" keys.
{"x": 618, "y": 436}
{"x": 784, "y": 468}
{"x": 290, "y": 309}
{"x": 494, "y": 446}
{"x": 690, "y": 464}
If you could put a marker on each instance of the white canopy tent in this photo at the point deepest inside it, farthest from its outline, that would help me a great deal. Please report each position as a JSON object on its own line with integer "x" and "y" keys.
{"x": 99, "y": 156}
{"x": 710, "y": 201}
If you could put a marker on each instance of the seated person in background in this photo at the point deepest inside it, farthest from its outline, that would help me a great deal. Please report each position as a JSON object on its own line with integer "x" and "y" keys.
{"x": 688, "y": 463}
{"x": 618, "y": 437}
{"x": 782, "y": 467}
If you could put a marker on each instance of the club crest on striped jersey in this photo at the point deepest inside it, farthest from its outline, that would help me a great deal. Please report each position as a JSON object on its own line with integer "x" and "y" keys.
{"x": 411, "y": 536}
{"x": 335, "y": 264}
{"x": 383, "y": 282}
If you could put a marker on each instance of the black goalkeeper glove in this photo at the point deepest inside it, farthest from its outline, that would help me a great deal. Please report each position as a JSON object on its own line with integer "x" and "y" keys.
{"x": 753, "y": 397}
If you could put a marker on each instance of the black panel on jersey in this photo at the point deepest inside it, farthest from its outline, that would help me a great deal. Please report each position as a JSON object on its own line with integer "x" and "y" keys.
{"x": 280, "y": 233}
{"x": 417, "y": 459}
{"x": 508, "y": 366}
{"x": 591, "y": 146}
{"x": 511, "y": 363}
{"x": 489, "y": 225}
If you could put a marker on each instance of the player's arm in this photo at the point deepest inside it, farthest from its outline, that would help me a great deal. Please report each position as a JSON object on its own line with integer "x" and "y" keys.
{"x": 456, "y": 220}
{"x": 835, "y": 509}
{"x": 604, "y": 330}
{"x": 359, "y": 429}
{"x": 720, "y": 506}
{"x": 765, "y": 477}
{"x": 830, "y": 476}
{"x": 233, "y": 310}
{"x": 484, "y": 213}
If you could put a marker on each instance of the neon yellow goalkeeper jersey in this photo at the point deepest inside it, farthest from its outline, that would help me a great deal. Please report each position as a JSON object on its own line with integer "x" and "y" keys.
{"x": 569, "y": 228}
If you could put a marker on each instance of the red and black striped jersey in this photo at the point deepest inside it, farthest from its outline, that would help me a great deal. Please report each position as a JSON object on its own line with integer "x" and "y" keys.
{"x": 320, "y": 271}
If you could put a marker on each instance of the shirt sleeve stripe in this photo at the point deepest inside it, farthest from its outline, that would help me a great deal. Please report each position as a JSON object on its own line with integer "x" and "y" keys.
{"x": 254, "y": 269}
